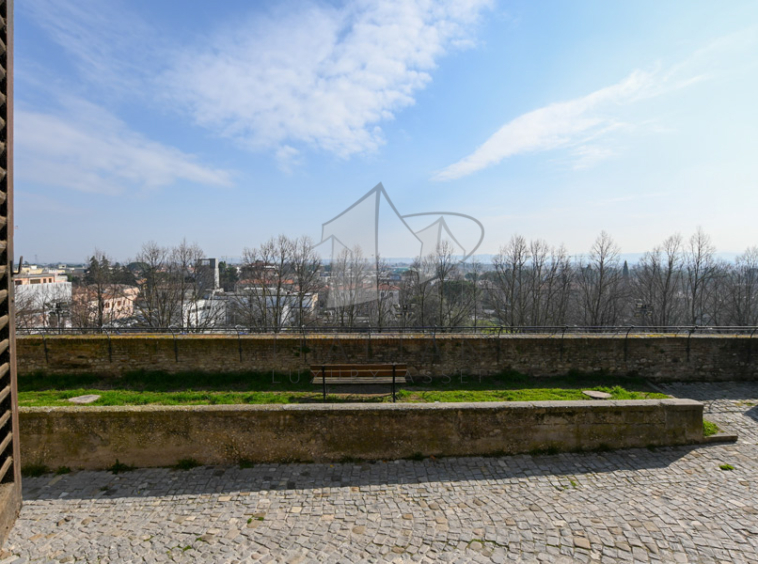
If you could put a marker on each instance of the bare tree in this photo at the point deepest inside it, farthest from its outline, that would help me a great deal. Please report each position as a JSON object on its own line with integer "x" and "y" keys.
{"x": 657, "y": 284}
{"x": 558, "y": 287}
{"x": 381, "y": 310}
{"x": 266, "y": 296}
{"x": 510, "y": 299}
{"x": 41, "y": 305}
{"x": 347, "y": 286}
{"x": 475, "y": 275}
{"x": 600, "y": 282}
{"x": 700, "y": 272}
{"x": 158, "y": 304}
{"x": 183, "y": 262}
{"x": 306, "y": 266}
{"x": 741, "y": 291}
{"x": 445, "y": 270}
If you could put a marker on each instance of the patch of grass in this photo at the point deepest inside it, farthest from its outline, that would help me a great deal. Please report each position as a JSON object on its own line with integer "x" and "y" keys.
{"x": 245, "y": 463}
{"x": 120, "y": 467}
{"x": 515, "y": 386}
{"x": 200, "y": 388}
{"x": 186, "y": 464}
{"x": 709, "y": 428}
{"x": 417, "y": 456}
{"x": 34, "y": 470}
{"x": 62, "y": 470}
{"x": 727, "y": 467}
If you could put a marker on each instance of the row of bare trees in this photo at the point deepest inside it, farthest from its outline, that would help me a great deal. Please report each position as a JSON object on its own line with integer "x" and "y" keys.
{"x": 680, "y": 282}
{"x": 284, "y": 283}
{"x": 160, "y": 287}
{"x": 278, "y": 284}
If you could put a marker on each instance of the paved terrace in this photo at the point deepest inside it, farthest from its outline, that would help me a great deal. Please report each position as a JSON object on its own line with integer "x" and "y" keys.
{"x": 668, "y": 505}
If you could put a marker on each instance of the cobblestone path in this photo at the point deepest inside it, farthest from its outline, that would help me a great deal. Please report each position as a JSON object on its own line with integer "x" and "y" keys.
{"x": 667, "y": 505}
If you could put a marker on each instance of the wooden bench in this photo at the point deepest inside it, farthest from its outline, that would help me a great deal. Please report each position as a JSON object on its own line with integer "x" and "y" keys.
{"x": 359, "y": 375}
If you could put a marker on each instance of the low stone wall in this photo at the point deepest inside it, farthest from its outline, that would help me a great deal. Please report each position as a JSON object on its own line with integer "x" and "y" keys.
{"x": 94, "y": 437}
{"x": 664, "y": 357}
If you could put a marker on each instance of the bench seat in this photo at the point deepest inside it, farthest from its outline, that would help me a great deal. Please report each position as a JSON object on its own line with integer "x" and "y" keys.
{"x": 358, "y": 374}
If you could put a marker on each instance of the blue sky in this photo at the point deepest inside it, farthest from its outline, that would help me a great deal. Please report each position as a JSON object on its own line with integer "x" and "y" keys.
{"x": 229, "y": 122}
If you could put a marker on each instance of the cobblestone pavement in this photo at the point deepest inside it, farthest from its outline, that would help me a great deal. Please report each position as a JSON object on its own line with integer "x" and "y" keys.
{"x": 667, "y": 505}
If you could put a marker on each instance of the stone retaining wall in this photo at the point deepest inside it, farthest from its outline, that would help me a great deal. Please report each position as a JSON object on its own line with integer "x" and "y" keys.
{"x": 94, "y": 437}
{"x": 683, "y": 358}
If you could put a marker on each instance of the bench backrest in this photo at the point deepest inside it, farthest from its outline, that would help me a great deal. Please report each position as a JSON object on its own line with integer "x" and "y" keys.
{"x": 358, "y": 370}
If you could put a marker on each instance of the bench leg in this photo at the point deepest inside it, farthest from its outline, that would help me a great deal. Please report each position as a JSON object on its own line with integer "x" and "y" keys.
{"x": 393, "y": 383}
{"x": 323, "y": 379}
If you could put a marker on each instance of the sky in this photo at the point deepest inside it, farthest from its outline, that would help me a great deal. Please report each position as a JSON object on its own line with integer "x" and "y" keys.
{"x": 227, "y": 123}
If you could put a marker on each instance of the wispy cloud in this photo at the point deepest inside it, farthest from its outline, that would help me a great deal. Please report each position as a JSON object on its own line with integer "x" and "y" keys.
{"x": 578, "y": 124}
{"x": 322, "y": 77}
{"x": 86, "y": 148}
{"x": 110, "y": 45}
{"x": 557, "y": 125}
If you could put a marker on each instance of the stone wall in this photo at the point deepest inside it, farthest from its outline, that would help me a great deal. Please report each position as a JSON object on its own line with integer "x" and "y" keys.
{"x": 94, "y": 437}
{"x": 669, "y": 357}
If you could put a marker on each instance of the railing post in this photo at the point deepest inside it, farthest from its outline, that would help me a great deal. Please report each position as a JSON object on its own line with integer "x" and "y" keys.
{"x": 393, "y": 382}
{"x": 750, "y": 346}
{"x": 626, "y": 341}
{"x": 692, "y": 330}
{"x": 176, "y": 349}
{"x": 110, "y": 348}
{"x": 563, "y": 334}
{"x": 499, "y": 335}
{"x": 323, "y": 380}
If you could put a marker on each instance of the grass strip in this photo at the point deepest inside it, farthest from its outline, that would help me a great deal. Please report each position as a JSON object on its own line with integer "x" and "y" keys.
{"x": 202, "y": 388}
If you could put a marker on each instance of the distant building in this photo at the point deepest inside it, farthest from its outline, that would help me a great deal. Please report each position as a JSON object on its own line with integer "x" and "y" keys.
{"x": 42, "y": 300}
{"x": 207, "y": 275}
{"x": 93, "y": 307}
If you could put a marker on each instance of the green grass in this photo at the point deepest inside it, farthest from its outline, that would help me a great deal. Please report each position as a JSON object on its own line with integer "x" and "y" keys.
{"x": 34, "y": 470}
{"x": 514, "y": 386}
{"x": 186, "y": 464}
{"x": 709, "y": 428}
{"x": 188, "y": 388}
{"x": 727, "y": 467}
{"x": 120, "y": 467}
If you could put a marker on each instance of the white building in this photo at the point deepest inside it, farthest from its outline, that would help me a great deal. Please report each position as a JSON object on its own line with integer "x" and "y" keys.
{"x": 42, "y": 300}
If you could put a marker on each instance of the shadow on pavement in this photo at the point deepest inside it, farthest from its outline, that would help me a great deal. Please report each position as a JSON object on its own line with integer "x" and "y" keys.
{"x": 511, "y": 470}
{"x": 752, "y": 413}
{"x": 709, "y": 391}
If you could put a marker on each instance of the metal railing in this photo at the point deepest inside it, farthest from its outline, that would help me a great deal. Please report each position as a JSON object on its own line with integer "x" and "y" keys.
{"x": 501, "y": 330}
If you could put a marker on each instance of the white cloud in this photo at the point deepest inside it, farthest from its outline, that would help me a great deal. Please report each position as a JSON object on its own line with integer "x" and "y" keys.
{"x": 321, "y": 76}
{"x": 89, "y": 149}
{"x": 557, "y": 125}
{"x": 573, "y": 124}
{"x": 111, "y": 46}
